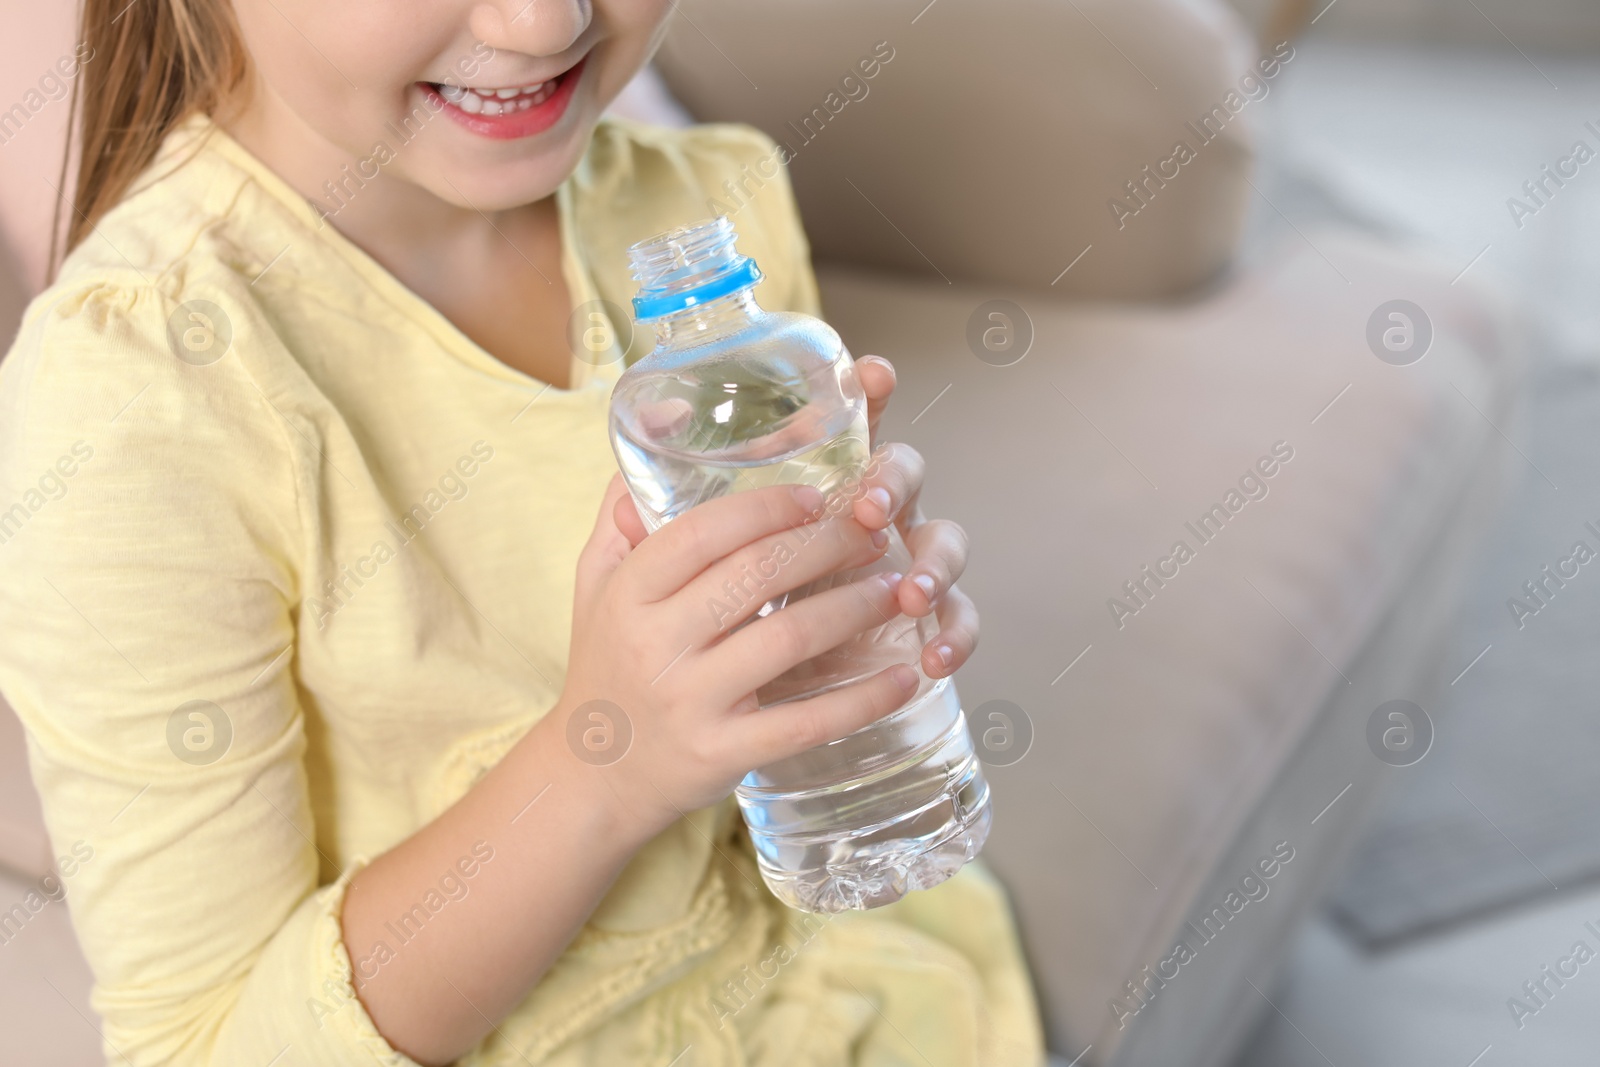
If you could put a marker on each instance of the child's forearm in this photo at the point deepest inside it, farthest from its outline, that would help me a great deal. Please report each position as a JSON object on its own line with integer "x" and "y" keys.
{"x": 555, "y": 840}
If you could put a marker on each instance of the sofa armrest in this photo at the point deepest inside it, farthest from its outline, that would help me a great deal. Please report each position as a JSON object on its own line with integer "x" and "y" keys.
{"x": 24, "y": 845}
{"x": 32, "y": 140}
{"x": 13, "y": 298}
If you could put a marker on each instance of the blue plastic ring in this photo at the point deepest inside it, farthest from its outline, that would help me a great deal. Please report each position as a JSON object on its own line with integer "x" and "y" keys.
{"x": 742, "y": 276}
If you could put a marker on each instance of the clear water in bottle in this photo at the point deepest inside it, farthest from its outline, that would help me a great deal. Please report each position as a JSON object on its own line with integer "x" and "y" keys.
{"x": 734, "y": 398}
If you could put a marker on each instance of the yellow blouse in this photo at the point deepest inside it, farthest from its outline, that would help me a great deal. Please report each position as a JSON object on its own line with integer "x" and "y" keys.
{"x": 286, "y": 563}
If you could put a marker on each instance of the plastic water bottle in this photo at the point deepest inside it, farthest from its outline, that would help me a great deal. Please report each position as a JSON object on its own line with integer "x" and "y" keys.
{"x": 734, "y": 398}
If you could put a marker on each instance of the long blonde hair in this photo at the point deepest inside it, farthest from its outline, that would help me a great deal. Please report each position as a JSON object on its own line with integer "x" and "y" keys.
{"x": 150, "y": 64}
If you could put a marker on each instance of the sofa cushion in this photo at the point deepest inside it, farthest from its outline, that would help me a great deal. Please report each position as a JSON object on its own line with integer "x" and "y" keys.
{"x": 990, "y": 139}
{"x": 1160, "y": 721}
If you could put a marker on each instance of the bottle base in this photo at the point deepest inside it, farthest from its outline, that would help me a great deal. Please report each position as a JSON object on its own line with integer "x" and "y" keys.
{"x": 860, "y": 822}
{"x": 867, "y": 876}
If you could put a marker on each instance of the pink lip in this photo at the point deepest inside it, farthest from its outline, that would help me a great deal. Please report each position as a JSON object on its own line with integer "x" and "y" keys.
{"x": 536, "y": 119}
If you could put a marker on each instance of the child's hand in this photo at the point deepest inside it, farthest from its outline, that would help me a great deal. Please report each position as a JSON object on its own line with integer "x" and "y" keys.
{"x": 938, "y": 546}
{"x": 652, "y": 635}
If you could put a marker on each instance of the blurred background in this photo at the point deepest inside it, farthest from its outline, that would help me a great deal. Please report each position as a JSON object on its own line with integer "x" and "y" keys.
{"x": 1307, "y": 288}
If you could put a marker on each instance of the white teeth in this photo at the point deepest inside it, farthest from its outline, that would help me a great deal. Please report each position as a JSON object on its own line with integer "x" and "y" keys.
{"x": 497, "y": 101}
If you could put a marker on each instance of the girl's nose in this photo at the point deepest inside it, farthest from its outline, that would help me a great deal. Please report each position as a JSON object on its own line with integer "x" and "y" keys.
{"x": 532, "y": 27}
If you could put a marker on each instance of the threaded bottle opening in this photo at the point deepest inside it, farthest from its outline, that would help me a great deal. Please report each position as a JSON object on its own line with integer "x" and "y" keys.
{"x": 687, "y": 267}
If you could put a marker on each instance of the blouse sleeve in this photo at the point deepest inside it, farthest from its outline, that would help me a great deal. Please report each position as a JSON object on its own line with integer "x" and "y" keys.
{"x": 155, "y": 475}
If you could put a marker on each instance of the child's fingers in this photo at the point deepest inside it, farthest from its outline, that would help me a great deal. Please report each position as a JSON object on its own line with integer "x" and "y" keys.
{"x": 939, "y": 550}
{"x": 674, "y": 554}
{"x": 767, "y": 647}
{"x": 776, "y": 733}
{"x": 896, "y": 480}
{"x": 877, "y": 382}
{"x": 957, "y": 637}
{"x": 733, "y": 589}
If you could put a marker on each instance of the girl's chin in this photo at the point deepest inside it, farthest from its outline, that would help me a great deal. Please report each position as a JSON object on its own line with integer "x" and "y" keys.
{"x": 504, "y": 185}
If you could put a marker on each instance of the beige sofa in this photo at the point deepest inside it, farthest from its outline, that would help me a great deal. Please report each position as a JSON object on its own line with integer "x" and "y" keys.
{"x": 1218, "y": 731}
{"x": 1181, "y": 739}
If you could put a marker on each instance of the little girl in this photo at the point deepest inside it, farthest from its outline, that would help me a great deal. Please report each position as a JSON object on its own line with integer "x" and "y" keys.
{"x": 300, "y": 640}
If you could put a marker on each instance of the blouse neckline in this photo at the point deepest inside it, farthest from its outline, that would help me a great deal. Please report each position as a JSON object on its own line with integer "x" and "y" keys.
{"x": 584, "y": 376}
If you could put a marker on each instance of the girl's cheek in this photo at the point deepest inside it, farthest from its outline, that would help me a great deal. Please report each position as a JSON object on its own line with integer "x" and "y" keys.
{"x": 344, "y": 55}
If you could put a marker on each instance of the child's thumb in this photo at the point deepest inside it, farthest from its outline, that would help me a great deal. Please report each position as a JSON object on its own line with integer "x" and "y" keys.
{"x": 607, "y": 545}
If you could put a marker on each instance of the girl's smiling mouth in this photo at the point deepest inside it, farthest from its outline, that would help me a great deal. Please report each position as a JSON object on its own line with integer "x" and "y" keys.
{"x": 510, "y": 112}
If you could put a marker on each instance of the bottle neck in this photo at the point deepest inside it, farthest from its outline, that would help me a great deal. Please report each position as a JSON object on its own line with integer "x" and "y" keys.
{"x": 709, "y": 321}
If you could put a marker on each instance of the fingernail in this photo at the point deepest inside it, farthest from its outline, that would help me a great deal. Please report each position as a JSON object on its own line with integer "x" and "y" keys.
{"x": 808, "y": 497}
{"x": 880, "y": 539}
{"x": 892, "y": 580}
{"x": 925, "y": 583}
{"x": 946, "y": 654}
{"x": 904, "y": 677}
{"x": 879, "y": 496}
